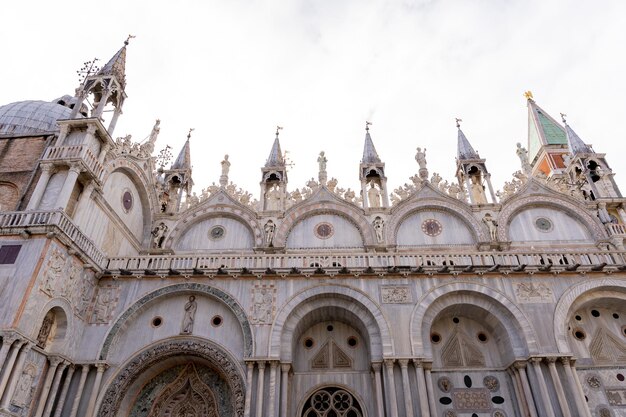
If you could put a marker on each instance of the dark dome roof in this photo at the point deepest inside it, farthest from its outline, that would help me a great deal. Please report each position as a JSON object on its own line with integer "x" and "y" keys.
{"x": 31, "y": 117}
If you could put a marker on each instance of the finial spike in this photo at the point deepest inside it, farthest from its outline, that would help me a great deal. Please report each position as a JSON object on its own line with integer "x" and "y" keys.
{"x": 128, "y": 39}
{"x": 458, "y": 121}
{"x": 277, "y": 130}
{"x": 529, "y": 95}
{"x": 563, "y": 117}
{"x": 191, "y": 129}
{"x": 367, "y": 126}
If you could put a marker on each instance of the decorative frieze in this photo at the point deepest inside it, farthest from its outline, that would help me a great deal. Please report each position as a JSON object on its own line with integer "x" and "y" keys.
{"x": 263, "y": 304}
{"x": 533, "y": 292}
{"x": 106, "y": 299}
{"x": 395, "y": 294}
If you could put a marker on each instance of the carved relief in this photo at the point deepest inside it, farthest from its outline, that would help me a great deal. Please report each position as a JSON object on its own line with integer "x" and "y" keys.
{"x": 471, "y": 399}
{"x": 491, "y": 383}
{"x": 53, "y": 272}
{"x": 616, "y": 396}
{"x": 45, "y": 331}
{"x": 594, "y": 381}
{"x": 396, "y": 294}
{"x": 84, "y": 298}
{"x": 534, "y": 292}
{"x": 190, "y": 315}
{"x": 445, "y": 384}
{"x": 24, "y": 388}
{"x": 106, "y": 300}
{"x": 330, "y": 356}
{"x": 263, "y": 301}
{"x": 606, "y": 348}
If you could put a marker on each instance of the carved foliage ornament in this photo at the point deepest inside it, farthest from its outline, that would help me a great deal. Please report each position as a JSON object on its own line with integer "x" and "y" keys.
{"x": 130, "y": 372}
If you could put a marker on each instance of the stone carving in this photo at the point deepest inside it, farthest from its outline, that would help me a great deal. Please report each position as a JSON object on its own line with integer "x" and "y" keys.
{"x": 272, "y": 198}
{"x": 190, "y": 315}
{"x": 74, "y": 274}
{"x": 373, "y": 196}
{"x": 45, "y": 329}
{"x": 605, "y": 348}
{"x": 522, "y": 154}
{"x": 616, "y": 396}
{"x": 158, "y": 235}
{"x": 379, "y": 229}
{"x": 263, "y": 304}
{"x": 594, "y": 381}
{"x": 460, "y": 350}
{"x": 477, "y": 190}
{"x": 192, "y": 200}
{"x": 471, "y": 399}
{"x": 330, "y": 356}
{"x": 449, "y": 413}
{"x": 54, "y": 272}
{"x": 420, "y": 158}
{"x": 445, "y": 384}
{"x": 225, "y": 166}
{"x": 24, "y": 387}
{"x": 321, "y": 160}
{"x": 492, "y": 225}
{"x": 114, "y": 395}
{"x": 498, "y": 413}
{"x": 232, "y": 190}
{"x": 106, "y": 301}
{"x": 533, "y": 292}
{"x": 396, "y": 294}
{"x": 269, "y": 229}
{"x": 491, "y": 383}
{"x": 84, "y": 298}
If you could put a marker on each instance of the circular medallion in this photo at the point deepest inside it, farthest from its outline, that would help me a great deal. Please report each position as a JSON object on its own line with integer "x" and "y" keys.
{"x": 543, "y": 224}
{"x": 324, "y": 230}
{"x": 445, "y": 384}
{"x": 127, "y": 201}
{"x": 432, "y": 227}
{"x": 217, "y": 232}
{"x": 491, "y": 383}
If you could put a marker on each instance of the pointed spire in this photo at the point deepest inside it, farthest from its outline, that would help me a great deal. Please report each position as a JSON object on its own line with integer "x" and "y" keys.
{"x": 575, "y": 143}
{"x": 543, "y": 130}
{"x": 276, "y": 155}
{"x": 370, "y": 156}
{"x": 464, "y": 148}
{"x": 183, "y": 161}
{"x": 117, "y": 64}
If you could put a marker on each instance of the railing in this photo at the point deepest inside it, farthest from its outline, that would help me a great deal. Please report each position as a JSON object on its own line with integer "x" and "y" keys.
{"x": 58, "y": 218}
{"x": 616, "y": 229}
{"x": 81, "y": 152}
{"x": 443, "y": 262}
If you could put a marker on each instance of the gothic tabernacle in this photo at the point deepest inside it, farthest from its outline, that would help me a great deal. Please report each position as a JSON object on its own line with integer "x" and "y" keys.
{"x": 124, "y": 292}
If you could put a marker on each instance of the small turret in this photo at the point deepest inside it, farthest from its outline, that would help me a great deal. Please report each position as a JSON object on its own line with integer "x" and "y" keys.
{"x": 274, "y": 178}
{"x": 471, "y": 171}
{"x": 177, "y": 180}
{"x": 372, "y": 175}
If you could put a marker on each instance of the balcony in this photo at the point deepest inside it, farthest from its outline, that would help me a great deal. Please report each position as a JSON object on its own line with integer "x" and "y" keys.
{"x": 76, "y": 153}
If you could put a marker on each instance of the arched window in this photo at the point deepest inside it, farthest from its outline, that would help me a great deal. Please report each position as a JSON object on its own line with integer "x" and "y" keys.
{"x": 332, "y": 402}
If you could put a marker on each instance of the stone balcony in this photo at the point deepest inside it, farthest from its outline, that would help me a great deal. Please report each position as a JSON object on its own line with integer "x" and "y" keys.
{"x": 616, "y": 229}
{"x": 76, "y": 154}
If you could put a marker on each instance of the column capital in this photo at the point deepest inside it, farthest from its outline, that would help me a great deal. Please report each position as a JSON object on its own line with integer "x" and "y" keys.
{"x": 389, "y": 363}
{"x": 261, "y": 364}
{"x": 75, "y": 168}
{"x": 273, "y": 364}
{"x": 535, "y": 360}
{"x": 285, "y": 367}
{"x": 9, "y": 337}
{"x": 376, "y": 366}
{"x": 551, "y": 359}
{"x": 250, "y": 364}
{"x": 47, "y": 167}
{"x": 55, "y": 361}
{"x": 419, "y": 363}
{"x": 404, "y": 363}
{"x": 566, "y": 360}
{"x": 100, "y": 367}
{"x": 520, "y": 364}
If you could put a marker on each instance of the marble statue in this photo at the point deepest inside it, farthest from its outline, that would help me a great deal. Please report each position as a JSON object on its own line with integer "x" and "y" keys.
{"x": 272, "y": 198}
{"x": 321, "y": 160}
{"x": 477, "y": 191}
{"x": 522, "y": 153}
{"x": 603, "y": 214}
{"x": 373, "y": 196}
{"x": 44, "y": 331}
{"x": 24, "y": 386}
{"x": 420, "y": 157}
{"x": 158, "y": 235}
{"x": 225, "y": 166}
{"x": 190, "y": 315}
{"x": 270, "y": 229}
{"x": 492, "y": 225}
{"x": 379, "y": 228}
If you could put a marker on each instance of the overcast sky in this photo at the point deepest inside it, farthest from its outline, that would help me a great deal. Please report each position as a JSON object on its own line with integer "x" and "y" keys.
{"x": 235, "y": 69}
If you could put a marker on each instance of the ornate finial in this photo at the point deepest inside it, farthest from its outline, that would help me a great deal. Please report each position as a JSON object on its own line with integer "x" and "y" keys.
{"x": 529, "y": 95}
{"x": 563, "y": 116}
{"x": 458, "y": 121}
{"x": 89, "y": 67}
{"x": 128, "y": 39}
{"x": 189, "y": 134}
{"x": 277, "y": 130}
{"x": 165, "y": 155}
{"x": 367, "y": 126}
{"x": 288, "y": 162}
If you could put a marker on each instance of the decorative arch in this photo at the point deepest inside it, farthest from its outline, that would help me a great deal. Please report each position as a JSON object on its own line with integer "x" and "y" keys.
{"x": 443, "y": 296}
{"x": 216, "y": 356}
{"x": 205, "y": 211}
{"x": 452, "y": 207}
{"x": 381, "y": 340}
{"x": 294, "y": 215}
{"x": 307, "y": 396}
{"x": 512, "y": 207}
{"x": 577, "y": 295}
{"x": 65, "y": 323}
{"x": 227, "y": 299}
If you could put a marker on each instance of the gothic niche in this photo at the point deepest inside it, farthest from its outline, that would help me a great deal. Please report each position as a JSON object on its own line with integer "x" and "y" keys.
{"x": 52, "y": 328}
{"x": 273, "y": 188}
{"x": 189, "y": 390}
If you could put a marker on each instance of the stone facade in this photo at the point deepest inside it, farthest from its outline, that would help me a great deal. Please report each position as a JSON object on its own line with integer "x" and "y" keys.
{"x": 124, "y": 292}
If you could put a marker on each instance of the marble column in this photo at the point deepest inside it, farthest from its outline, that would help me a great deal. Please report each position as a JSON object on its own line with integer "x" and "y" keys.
{"x": 113, "y": 122}
{"x": 429, "y": 388}
{"x": 378, "y": 387}
{"x": 79, "y": 392}
{"x": 46, "y": 172}
{"x": 63, "y": 395}
{"x": 571, "y": 382}
{"x": 554, "y": 374}
{"x": 520, "y": 366}
{"x": 68, "y": 186}
{"x": 391, "y": 396}
{"x": 93, "y": 397}
{"x": 406, "y": 387}
{"x": 43, "y": 396}
{"x": 54, "y": 390}
{"x": 8, "y": 367}
{"x": 259, "y": 389}
{"x": 7, "y": 342}
{"x": 103, "y": 152}
{"x": 543, "y": 388}
{"x": 83, "y": 201}
{"x": 284, "y": 388}
{"x": 580, "y": 388}
{"x": 272, "y": 393}
{"x": 519, "y": 393}
{"x": 246, "y": 408}
{"x": 422, "y": 391}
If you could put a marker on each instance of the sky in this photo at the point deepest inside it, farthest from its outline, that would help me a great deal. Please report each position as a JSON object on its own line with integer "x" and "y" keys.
{"x": 234, "y": 70}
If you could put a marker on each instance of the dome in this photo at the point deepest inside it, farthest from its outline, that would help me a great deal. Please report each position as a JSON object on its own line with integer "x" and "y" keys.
{"x": 31, "y": 117}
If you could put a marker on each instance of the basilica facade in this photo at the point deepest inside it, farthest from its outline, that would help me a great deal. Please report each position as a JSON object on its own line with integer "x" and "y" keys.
{"x": 124, "y": 292}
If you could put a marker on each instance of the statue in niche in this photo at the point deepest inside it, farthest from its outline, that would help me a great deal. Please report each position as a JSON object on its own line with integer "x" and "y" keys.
{"x": 190, "y": 315}
{"x": 478, "y": 191}
{"x": 321, "y": 160}
{"x": 272, "y": 198}
{"x": 373, "y": 196}
{"x": 225, "y": 166}
{"x": 420, "y": 157}
{"x": 269, "y": 229}
{"x": 379, "y": 228}
{"x": 522, "y": 153}
{"x": 45, "y": 330}
{"x": 492, "y": 225}
{"x": 158, "y": 235}
{"x": 24, "y": 386}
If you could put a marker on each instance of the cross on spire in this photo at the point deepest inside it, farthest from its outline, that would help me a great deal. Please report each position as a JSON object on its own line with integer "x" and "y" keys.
{"x": 529, "y": 95}
{"x": 278, "y": 128}
{"x": 191, "y": 129}
{"x": 367, "y": 126}
{"x": 458, "y": 121}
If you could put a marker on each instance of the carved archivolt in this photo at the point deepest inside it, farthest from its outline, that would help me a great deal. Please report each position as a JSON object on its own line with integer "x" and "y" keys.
{"x": 215, "y": 356}
{"x": 512, "y": 207}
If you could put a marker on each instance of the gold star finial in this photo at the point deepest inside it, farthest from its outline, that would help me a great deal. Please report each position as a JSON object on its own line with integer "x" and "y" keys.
{"x": 128, "y": 39}
{"x": 529, "y": 95}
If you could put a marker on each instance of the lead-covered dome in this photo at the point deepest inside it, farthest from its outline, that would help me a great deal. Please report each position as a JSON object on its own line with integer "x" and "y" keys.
{"x": 32, "y": 117}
